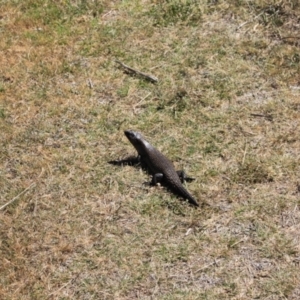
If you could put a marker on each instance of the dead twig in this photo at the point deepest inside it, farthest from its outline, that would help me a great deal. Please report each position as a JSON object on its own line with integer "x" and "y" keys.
{"x": 63, "y": 286}
{"x": 266, "y": 116}
{"x": 136, "y": 72}
{"x": 90, "y": 83}
{"x": 249, "y": 21}
{"x": 289, "y": 37}
{"x": 15, "y": 198}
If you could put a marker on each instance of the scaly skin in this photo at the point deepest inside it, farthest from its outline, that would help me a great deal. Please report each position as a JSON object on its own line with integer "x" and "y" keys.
{"x": 159, "y": 165}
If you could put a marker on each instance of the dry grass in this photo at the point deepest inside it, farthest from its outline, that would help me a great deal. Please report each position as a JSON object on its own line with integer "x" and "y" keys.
{"x": 226, "y": 109}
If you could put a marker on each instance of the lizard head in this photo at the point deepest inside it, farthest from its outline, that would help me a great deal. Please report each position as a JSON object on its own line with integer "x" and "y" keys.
{"x": 132, "y": 135}
{"x": 135, "y": 138}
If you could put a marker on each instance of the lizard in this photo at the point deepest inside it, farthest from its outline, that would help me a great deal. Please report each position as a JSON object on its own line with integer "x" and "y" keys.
{"x": 159, "y": 165}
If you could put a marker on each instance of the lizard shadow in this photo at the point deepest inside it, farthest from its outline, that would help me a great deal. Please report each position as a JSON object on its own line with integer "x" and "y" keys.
{"x": 127, "y": 161}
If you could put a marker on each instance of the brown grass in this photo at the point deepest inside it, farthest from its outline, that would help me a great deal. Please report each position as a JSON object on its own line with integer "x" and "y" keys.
{"x": 226, "y": 110}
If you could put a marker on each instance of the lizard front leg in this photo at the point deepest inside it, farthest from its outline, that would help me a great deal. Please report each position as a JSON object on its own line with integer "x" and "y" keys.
{"x": 158, "y": 177}
{"x": 183, "y": 177}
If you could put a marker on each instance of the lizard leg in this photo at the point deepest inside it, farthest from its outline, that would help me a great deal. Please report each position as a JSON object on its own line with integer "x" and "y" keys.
{"x": 157, "y": 178}
{"x": 183, "y": 177}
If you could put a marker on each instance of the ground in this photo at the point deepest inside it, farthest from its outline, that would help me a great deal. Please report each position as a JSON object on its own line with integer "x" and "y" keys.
{"x": 226, "y": 109}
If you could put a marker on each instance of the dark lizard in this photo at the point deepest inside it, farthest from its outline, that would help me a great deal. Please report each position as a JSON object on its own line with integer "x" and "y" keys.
{"x": 159, "y": 165}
